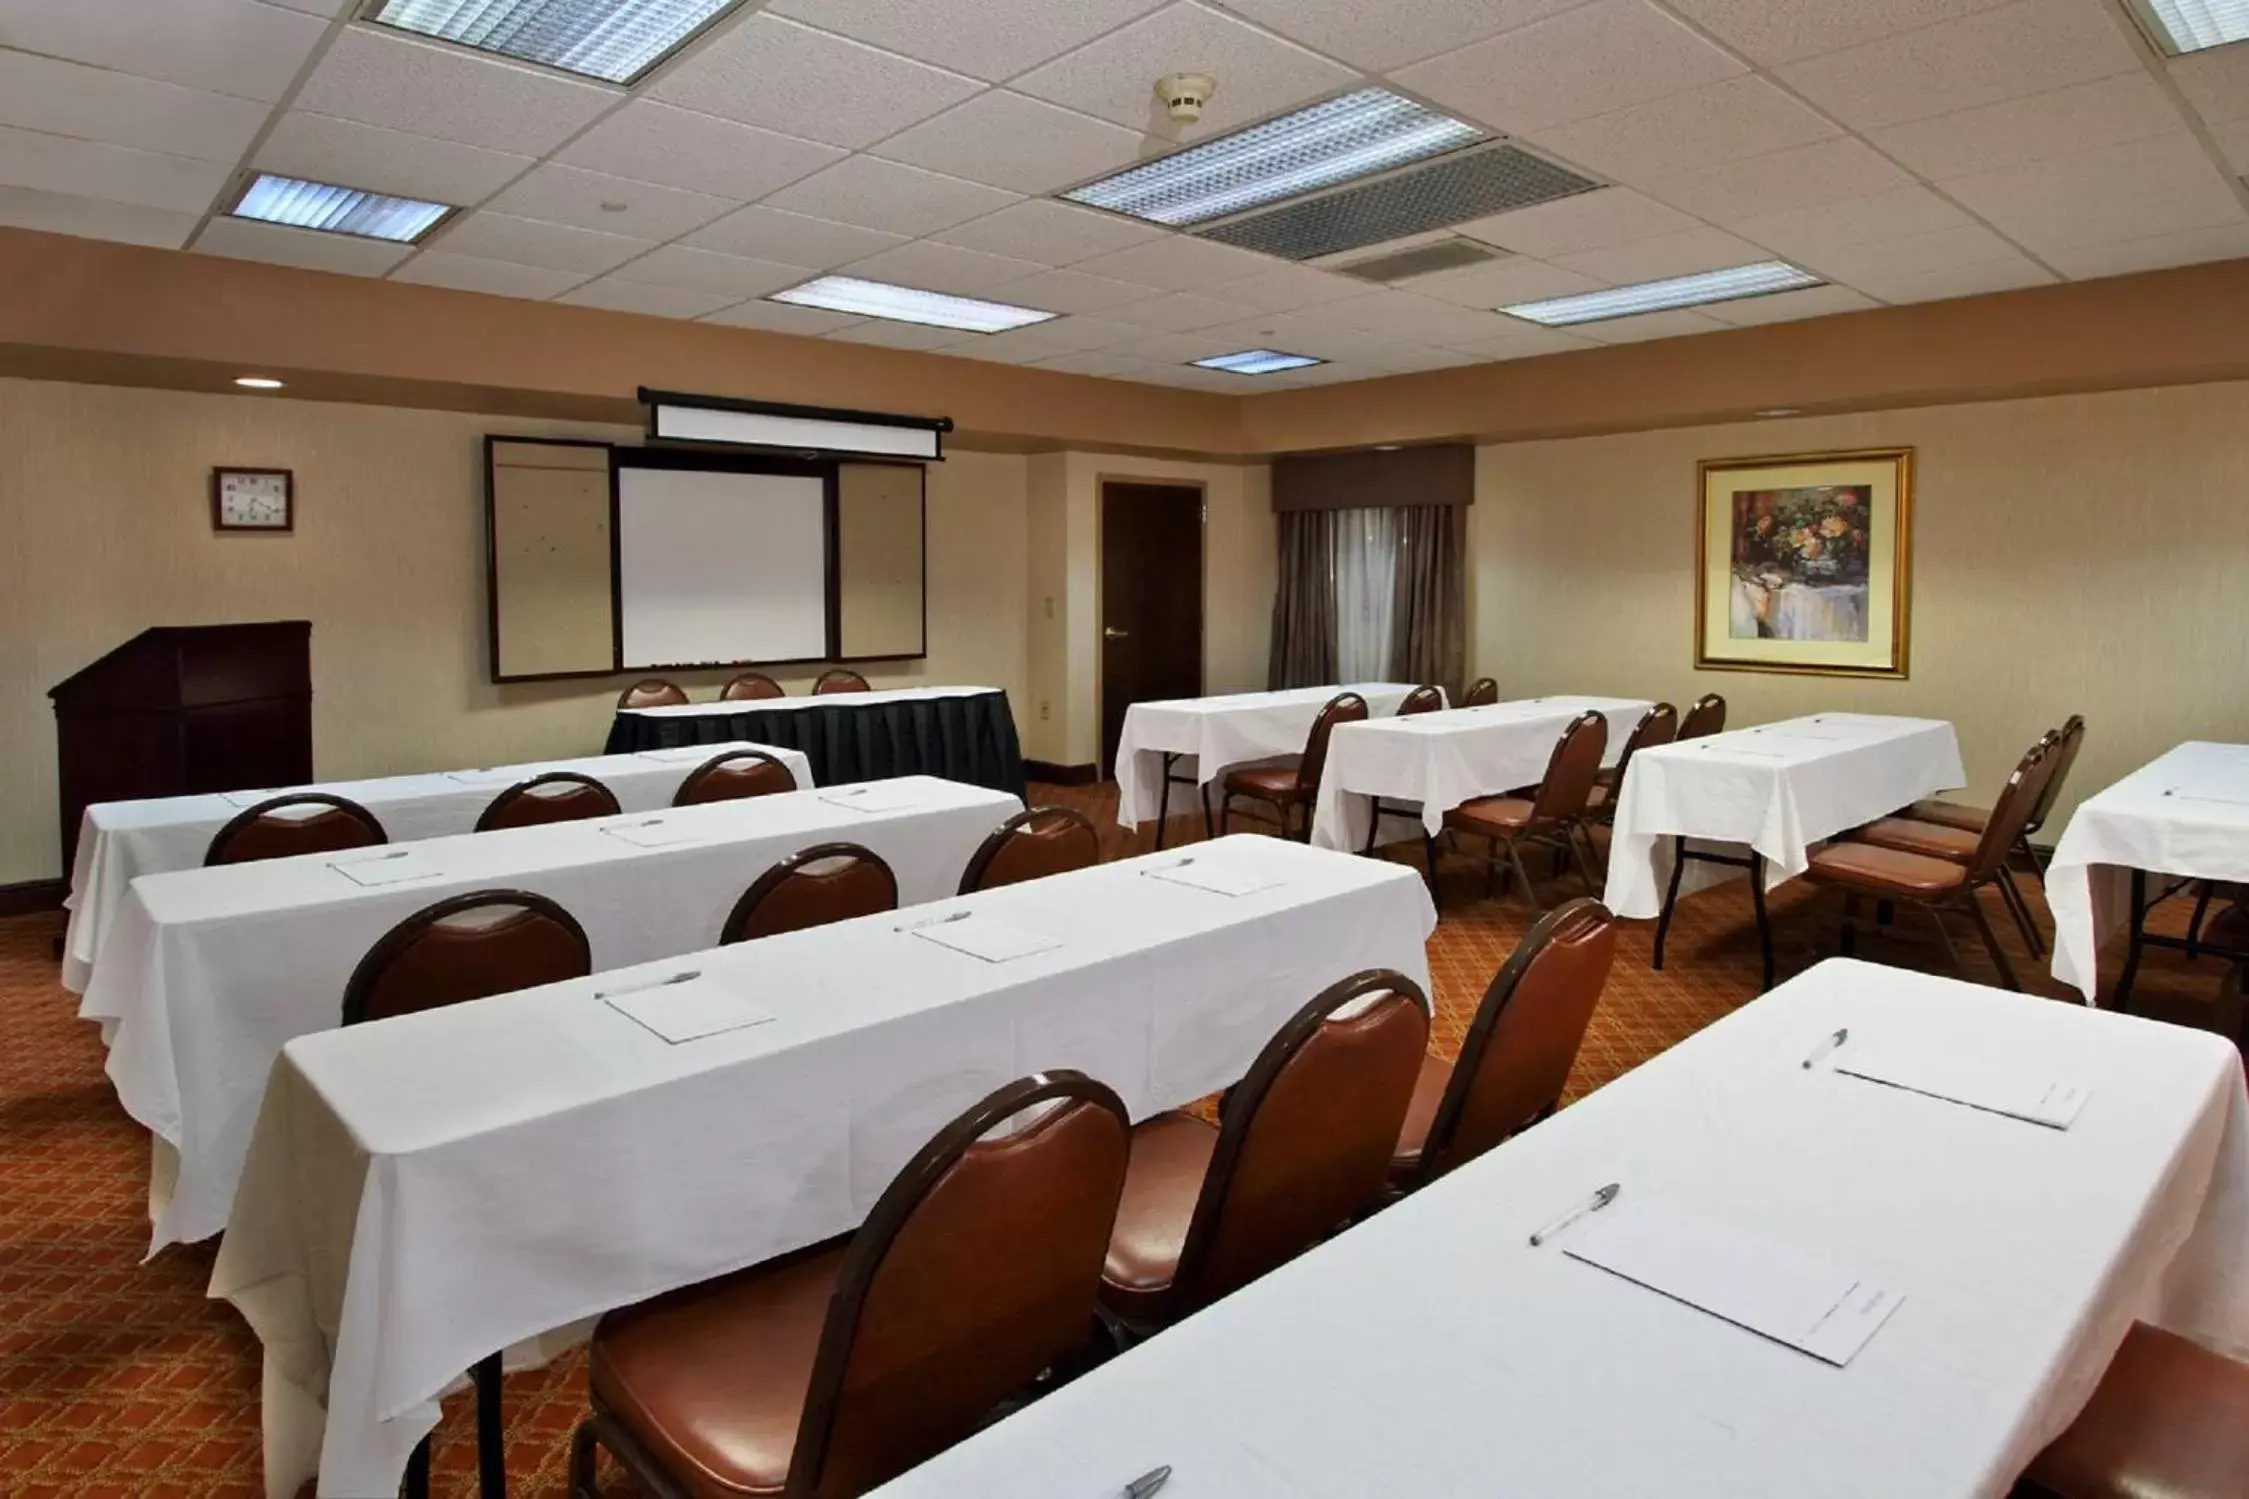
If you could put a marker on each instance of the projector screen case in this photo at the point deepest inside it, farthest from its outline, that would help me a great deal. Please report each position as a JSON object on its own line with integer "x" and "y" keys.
{"x": 777, "y": 426}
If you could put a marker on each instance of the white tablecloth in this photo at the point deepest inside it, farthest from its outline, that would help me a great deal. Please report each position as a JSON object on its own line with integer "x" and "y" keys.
{"x": 427, "y": 1189}
{"x": 1780, "y": 788}
{"x": 810, "y": 700}
{"x": 1219, "y": 733}
{"x": 209, "y": 971}
{"x": 2186, "y": 813}
{"x": 1442, "y": 759}
{"x": 1431, "y": 1352}
{"x": 120, "y": 841}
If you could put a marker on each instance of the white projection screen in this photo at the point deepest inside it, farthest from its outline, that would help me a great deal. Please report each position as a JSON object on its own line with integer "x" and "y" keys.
{"x": 720, "y": 567}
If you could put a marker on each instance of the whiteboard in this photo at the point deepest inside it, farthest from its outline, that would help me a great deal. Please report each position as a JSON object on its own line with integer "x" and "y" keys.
{"x": 720, "y": 567}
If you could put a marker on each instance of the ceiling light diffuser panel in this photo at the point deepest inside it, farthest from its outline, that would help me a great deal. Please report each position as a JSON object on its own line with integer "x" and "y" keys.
{"x": 2191, "y": 25}
{"x": 1256, "y": 362}
{"x": 614, "y": 40}
{"x": 905, "y": 304}
{"x": 337, "y": 210}
{"x": 1700, "y": 289}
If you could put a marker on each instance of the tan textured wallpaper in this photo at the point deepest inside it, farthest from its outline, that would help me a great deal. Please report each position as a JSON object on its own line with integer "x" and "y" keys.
{"x": 2071, "y": 554}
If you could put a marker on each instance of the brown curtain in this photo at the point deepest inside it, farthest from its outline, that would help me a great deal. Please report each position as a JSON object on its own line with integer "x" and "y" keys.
{"x": 1304, "y": 603}
{"x": 1430, "y": 616}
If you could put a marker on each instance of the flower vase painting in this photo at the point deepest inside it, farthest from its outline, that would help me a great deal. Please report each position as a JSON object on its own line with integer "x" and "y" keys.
{"x": 1804, "y": 563}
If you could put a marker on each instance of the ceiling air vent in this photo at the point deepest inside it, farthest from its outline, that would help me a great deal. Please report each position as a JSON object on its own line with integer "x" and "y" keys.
{"x": 1422, "y": 260}
{"x": 1452, "y": 190}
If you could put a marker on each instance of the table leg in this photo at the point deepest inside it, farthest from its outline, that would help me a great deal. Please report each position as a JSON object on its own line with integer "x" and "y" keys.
{"x": 1163, "y": 803}
{"x": 1204, "y": 791}
{"x": 2138, "y": 940}
{"x": 491, "y": 1436}
{"x": 1764, "y": 924}
{"x": 1670, "y": 898}
{"x": 415, "y": 1485}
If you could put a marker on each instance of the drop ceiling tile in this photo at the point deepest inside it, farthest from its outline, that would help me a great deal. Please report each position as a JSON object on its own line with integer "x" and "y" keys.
{"x": 1937, "y": 250}
{"x": 379, "y": 77}
{"x": 583, "y": 199}
{"x": 2063, "y": 122}
{"x": 1285, "y": 288}
{"x": 617, "y": 294}
{"x": 1010, "y": 140}
{"x": 1956, "y": 281}
{"x": 1334, "y": 374}
{"x": 1297, "y": 333}
{"x": 1789, "y": 306}
{"x": 1505, "y": 284}
{"x": 1050, "y": 233}
{"x": 234, "y": 47}
{"x": 1770, "y": 33}
{"x": 877, "y": 194}
{"x": 2233, "y": 143}
{"x": 1648, "y": 144}
{"x": 503, "y": 236}
{"x": 243, "y": 239}
{"x": 2024, "y": 48}
{"x": 769, "y": 234}
{"x": 2215, "y": 82}
{"x": 1582, "y": 221}
{"x": 1666, "y": 255}
{"x": 88, "y": 169}
{"x": 988, "y": 39}
{"x": 1114, "y": 78}
{"x": 1648, "y": 326}
{"x": 95, "y": 218}
{"x": 313, "y": 7}
{"x": 1181, "y": 348}
{"x": 499, "y": 278}
{"x": 1526, "y": 341}
{"x": 791, "y": 78}
{"x": 1408, "y": 318}
{"x": 1573, "y": 66}
{"x": 782, "y": 317}
{"x": 731, "y": 276}
{"x": 1049, "y": 340}
{"x": 1413, "y": 360}
{"x": 2123, "y": 257}
{"x": 1804, "y": 177}
{"x": 2133, "y": 191}
{"x": 1181, "y": 312}
{"x": 1380, "y": 38}
{"x": 67, "y": 98}
{"x": 386, "y": 161}
{"x": 1072, "y": 291}
{"x": 892, "y": 335}
{"x": 949, "y": 268}
{"x": 1187, "y": 377}
{"x": 651, "y": 142}
{"x": 1858, "y": 222}
{"x": 1177, "y": 263}
{"x": 1115, "y": 366}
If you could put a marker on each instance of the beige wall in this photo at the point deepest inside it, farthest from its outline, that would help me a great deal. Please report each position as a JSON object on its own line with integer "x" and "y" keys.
{"x": 104, "y": 505}
{"x": 2071, "y": 554}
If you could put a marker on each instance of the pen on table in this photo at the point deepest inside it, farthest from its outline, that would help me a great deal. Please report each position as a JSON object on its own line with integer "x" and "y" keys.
{"x": 1842, "y": 1035}
{"x": 1174, "y": 864}
{"x": 1147, "y": 1483}
{"x": 915, "y": 926}
{"x": 1593, "y": 1204}
{"x": 688, "y": 977}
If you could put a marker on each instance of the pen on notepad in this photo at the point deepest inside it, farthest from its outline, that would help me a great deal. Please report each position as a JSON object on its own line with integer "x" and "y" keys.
{"x": 688, "y": 977}
{"x": 1174, "y": 864}
{"x": 1842, "y": 1035}
{"x": 915, "y": 926}
{"x": 396, "y": 853}
{"x": 1593, "y": 1204}
{"x": 1147, "y": 1483}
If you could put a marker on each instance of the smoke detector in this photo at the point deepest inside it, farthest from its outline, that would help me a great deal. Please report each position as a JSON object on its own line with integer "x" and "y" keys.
{"x": 1185, "y": 94}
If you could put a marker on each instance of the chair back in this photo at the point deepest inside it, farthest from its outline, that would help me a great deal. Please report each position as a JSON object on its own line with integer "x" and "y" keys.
{"x": 1344, "y": 707}
{"x": 465, "y": 947}
{"x": 735, "y": 773}
{"x": 557, "y": 796}
{"x": 839, "y": 679}
{"x": 269, "y": 830}
{"x": 2070, "y": 737}
{"x": 749, "y": 687}
{"x": 977, "y": 1270}
{"x": 1707, "y": 716}
{"x": 1659, "y": 725}
{"x": 1427, "y": 698}
{"x": 1525, "y": 1037}
{"x": 1481, "y": 693}
{"x": 2011, "y": 813}
{"x": 1031, "y": 845}
{"x": 1305, "y": 1139}
{"x": 1572, "y": 769}
{"x": 652, "y": 692}
{"x": 812, "y": 887}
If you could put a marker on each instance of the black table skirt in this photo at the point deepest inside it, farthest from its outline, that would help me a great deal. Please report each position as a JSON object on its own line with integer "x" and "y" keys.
{"x": 967, "y": 738}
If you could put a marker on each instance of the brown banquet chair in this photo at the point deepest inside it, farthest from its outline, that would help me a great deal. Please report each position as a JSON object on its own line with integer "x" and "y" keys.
{"x": 274, "y": 829}
{"x": 557, "y": 796}
{"x": 1519, "y": 1049}
{"x": 2066, "y": 741}
{"x": 839, "y": 679}
{"x": 733, "y": 774}
{"x": 1659, "y": 725}
{"x": 1293, "y": 787}
{"x": 750, "y": 687}
{"x": 652, "y": 692}
{"x": 1707, "y": 715}
{"x": 824, "y": 1373}
{"x": 1481, "y": 693}
{"x": 1303, "y": 1144}
{"x": 2169, "y": 1420}
{"x": 1553, "y": 815}
{"x": 1031, "y": 845}
{"x": 1427, "y": 698}
{"x": 812, "y": 887}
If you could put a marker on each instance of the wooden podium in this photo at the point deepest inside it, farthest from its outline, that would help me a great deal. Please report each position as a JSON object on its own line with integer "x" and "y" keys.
{"x": 185, "y": 709}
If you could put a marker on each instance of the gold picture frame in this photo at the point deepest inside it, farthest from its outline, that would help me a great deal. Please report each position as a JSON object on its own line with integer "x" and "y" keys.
{"x": 1804, "y": 563}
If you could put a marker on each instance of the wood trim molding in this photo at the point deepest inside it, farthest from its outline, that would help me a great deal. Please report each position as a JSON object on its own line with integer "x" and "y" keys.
{"x": 1061, "y": 775}
{"x": 32, "y": 896}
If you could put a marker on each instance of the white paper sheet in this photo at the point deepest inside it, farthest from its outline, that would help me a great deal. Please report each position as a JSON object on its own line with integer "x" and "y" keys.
{"x": 687, "y": 1008}
{"x": 656, "y": 832}
{"x": 1753, "y": 1283}
{"x": 1974, "y": 1081}
{"x": 875, "y": 796}
{"x": 986, "y": 937}
{"x": 1217, "y": 878}
{"x": 394, "y": 868}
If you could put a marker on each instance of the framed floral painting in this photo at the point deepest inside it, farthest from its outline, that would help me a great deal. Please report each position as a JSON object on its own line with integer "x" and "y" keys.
{"x": 1804, "y": 563}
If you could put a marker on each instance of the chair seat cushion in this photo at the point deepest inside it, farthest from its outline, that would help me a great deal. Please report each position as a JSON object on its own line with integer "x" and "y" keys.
{"x": 1275, "y": 783}
{"x": 1949, "y": 815}
{"x": 712, "y": 1378}
{"x": 1599, "y": 796}
{"x": 1885, "y": 871}
{"x": 1491, "y": 814}
{"x": 1421, "y": 1112}
{"x": 1932, "y": 840}
{"x": 1170, "y": 1155}
{"x": 2169, "y": 1421}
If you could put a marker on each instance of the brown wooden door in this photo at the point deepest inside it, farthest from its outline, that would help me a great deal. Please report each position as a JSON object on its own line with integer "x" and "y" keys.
{"x": 1151, "y": 600}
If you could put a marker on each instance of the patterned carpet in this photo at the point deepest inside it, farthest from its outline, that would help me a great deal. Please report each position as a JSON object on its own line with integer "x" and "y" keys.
{"x": 118, "y": 1378}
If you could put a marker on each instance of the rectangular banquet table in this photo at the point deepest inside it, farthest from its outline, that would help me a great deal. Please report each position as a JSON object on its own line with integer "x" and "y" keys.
{"x": 1431, "y": 1352}
{"x": 960, "y": 733}
{"x": 1219, "y": 733}
{"x": 1440, "y": 760}
{"x": 209, "y": 971}
{"x": 120, "y": 841}
{"x": 2183, "y": 816}
{"x": 1779, "y": 788}
{"x": 424, "y": 1190}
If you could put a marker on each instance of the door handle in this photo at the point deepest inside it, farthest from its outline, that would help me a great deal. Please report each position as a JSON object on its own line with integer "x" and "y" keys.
{"x": 1111, "y": 632}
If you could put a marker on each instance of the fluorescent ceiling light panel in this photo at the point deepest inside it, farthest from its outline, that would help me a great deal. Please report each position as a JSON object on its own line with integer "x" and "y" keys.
{"x": 615, "y": 40}
{"x": 904, "y": 304}
{"x": 1357, "y": 135}
{"x": 1256, "y": 362}
{"x": 2191, "y": 25}
{"x": 1729, "y": 285}
{"x": 337, "y": 210}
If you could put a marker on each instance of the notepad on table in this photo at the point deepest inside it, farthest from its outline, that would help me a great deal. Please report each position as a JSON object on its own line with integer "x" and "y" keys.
{"x": 687, "y": 1009}
{"x": 655, "y": 832}
{"x": 1979, "y": 1083}
{"x": 986, "y": 937}
{"x": 252, "y": 798}
{"x": 488, "y": 777}
{"x": 394, "y": 868}
{"x": 679, "y": 754}
{"x": 875, "y": 796}
{"x": 1740, "y": 1278}
{"x": 1216, "y": 877}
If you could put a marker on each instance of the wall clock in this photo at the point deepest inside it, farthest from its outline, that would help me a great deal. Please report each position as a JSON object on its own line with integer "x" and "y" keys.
{"x": 252, "y": 499}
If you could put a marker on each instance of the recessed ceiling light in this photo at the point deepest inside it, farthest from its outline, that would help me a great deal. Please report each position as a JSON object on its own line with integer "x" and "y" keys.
{"x": 336, "y": 210}
{"x": 1728, "y": 285}
{"x": 257, "y": 382}
{"x": 904, "y": 304}
{"x": 1256, "y": 362}
{"x": 1386, "y": 447}
{"x": 2191, "y": 25}
{"x": 1781, "y": 411}
{"x": 1356, "y": 135}
{"x": 614, "y": 40}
